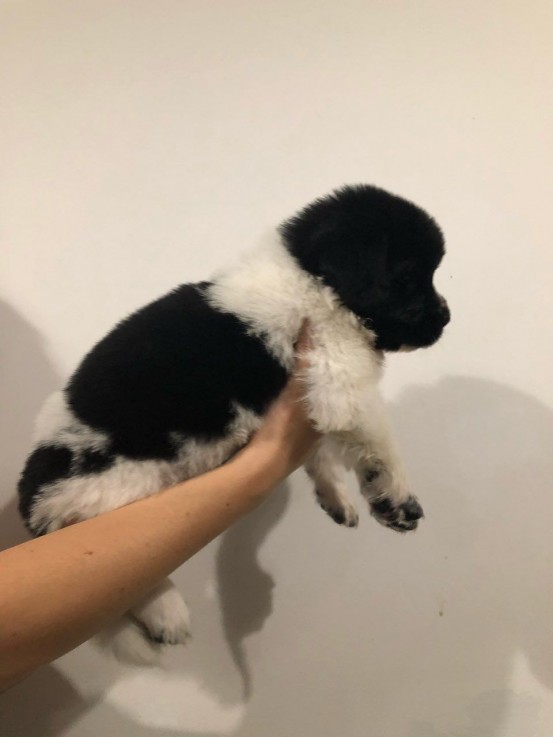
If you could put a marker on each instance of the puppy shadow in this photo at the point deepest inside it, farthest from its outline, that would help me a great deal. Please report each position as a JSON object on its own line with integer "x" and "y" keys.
{"x": 26, "y": 378}
{"x": 245, "y": 588}
{"x": 451, "y": 610}
{"x": 47, "y": 705}
{"x": 480, "y": 454}
{"x": 486, "y": 716}
{"x": 44, "y": 705}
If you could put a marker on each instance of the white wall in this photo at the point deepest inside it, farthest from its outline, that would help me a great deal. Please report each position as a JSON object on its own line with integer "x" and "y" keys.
{"x": 143, "y": 144}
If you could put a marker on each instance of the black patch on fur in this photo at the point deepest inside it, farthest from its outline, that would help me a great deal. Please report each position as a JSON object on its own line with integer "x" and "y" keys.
{"x": 45, "y": 465}
{"x": 95, "y": 461}
{"x": 412, "y": 510}
{"x": 175, "y": 366}
{"x": 403, "y": 518}
{"x": 378, "y": 252}
{"x": 160, "y": 639}
{"x": 383, "y": 507}
{"x": 371, "y": 475}
{"x": 337, "y": 514}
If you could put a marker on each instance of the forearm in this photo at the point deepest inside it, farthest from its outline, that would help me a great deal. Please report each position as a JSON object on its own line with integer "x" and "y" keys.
{"x": 66, "y": 586}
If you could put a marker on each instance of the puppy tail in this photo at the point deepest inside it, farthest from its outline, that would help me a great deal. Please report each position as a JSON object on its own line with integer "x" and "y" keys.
{"x": 127, "y": 641}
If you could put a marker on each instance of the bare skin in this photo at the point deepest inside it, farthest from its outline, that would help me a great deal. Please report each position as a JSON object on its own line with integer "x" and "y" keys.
{"x": 60, "y": 589}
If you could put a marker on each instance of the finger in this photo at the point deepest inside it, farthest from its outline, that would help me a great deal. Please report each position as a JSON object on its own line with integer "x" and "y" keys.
{"x": 304, "y": 346}
{"x": 304, "y": 342}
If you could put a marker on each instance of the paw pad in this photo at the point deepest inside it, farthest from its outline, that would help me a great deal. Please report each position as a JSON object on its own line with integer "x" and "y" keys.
{"x": 402, "y": 518}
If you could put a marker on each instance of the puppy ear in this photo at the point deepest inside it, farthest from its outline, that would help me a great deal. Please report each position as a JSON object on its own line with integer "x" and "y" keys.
{"x": 355, "y": 267}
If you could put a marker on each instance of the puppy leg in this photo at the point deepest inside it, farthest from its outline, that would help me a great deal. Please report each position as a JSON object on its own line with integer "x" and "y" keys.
{"x": 324, "y": 468}
{"x": 163, "y": 615}
{"x": 344, "y": 401}
{"x": 381, "y": 473}
{"x": 389, "y": 500}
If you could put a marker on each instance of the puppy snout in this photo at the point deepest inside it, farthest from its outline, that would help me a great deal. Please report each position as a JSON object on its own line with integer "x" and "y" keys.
{"x": 445, "y": 314}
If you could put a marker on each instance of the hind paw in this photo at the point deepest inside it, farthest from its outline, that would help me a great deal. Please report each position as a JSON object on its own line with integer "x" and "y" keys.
{"x": 164, "y": 616}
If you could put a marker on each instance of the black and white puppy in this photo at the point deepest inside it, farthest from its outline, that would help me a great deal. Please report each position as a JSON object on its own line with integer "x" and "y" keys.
{"x": 178, "y": 387}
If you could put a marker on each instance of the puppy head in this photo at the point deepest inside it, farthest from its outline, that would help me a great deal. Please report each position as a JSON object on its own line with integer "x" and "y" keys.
{"x": 379, "y": 253}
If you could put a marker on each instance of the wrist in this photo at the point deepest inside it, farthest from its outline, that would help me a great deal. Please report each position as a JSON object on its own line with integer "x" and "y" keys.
{"x": 264, "y": 463}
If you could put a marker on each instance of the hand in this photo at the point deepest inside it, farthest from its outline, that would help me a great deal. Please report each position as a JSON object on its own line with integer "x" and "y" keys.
{"x": 287, "y": 435}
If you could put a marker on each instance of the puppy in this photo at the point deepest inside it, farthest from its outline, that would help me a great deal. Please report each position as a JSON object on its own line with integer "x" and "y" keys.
{"x": 179, "y": 386}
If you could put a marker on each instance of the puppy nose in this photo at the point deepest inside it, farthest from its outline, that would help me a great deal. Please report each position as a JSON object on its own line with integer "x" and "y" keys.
{"x": 445, "y": 314}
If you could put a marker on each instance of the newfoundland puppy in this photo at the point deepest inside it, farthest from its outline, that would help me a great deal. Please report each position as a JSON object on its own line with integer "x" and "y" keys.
{"x": 179, "y": 386}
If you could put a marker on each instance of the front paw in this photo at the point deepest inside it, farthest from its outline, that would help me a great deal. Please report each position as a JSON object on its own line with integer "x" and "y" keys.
{"x": 343, "y": 513}
{"x": 403, "y": 517}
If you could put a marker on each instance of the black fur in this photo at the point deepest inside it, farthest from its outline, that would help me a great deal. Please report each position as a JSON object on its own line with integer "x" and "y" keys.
{"x": 94, "y": 461}
{"x": 176, "y": 365}
{"x": 378, "y": 252}
{"x": 45, "y": 465}
{"x": 49, "y": 463}
{"x": 402, "y": 518}
{"x": 371, "y": 475}
{"x": 383, "y": 506}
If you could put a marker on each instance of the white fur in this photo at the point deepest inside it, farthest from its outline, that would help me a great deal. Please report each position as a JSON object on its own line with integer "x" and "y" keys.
{"x": 326, "y": 469}
{"x": 82, "y": 497}
{"x": 124, "y": 639}
{"x": 57, "y": 425}
{"x": 272, "y": 296}
{"x": 163, "y": 613}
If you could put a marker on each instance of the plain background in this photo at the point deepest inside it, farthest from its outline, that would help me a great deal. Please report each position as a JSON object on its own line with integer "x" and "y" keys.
{"x": 145, "y": 143}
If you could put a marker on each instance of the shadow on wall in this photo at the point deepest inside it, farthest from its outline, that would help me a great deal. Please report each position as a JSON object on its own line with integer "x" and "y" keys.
{"x": 485, "y": 452}
{"x": 481, "y": 455}
{"x": 486, "y": 715}
{"x": 239, "y": 608}
{"x": 245, "y": 589}
{"x": 492, "y": 509}
{"x": 26, "y": 379}
{"x": 46, "y": 705}
{"x": 447, "y": 623}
